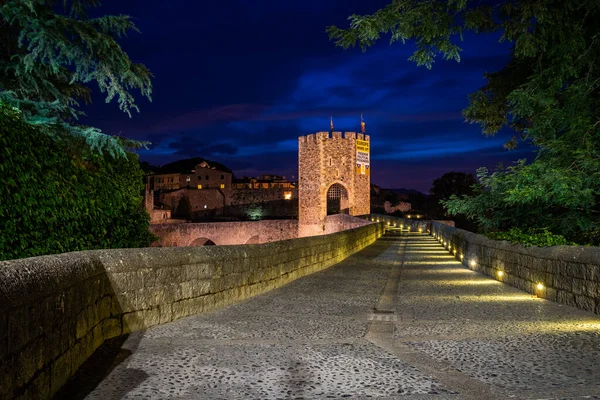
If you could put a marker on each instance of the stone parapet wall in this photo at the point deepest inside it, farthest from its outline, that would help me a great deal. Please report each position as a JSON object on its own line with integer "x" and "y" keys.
{"x": 342, "y": 222}
{"x": 224, "y": 233}
{"x": 569, "y": 275}
{"x": 55, "y": 311}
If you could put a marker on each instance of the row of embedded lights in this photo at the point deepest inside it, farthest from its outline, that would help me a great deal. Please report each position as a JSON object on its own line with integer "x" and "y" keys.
{"x": 395, "y": 225}
{"x": 473, "y": 263}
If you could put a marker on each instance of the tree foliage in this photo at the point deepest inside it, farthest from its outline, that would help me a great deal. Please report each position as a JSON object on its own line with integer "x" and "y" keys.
{"x": 548, "y": 94}
{"x": 530, "y": 237}
{"x": 50, "y": 51}
{"x": 53, "y": 200}
{"x": 451, "y": 184}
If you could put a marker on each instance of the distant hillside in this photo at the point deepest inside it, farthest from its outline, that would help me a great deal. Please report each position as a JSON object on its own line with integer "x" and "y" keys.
{"x": 406, "y": 191}
{"x": 183, "y": 166}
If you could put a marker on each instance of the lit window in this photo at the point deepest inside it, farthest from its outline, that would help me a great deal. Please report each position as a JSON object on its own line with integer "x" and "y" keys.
{"x": 287, "y": 195}
{"x": 222, "y": 186}
{"x": 199, "y": 186}
{"x": 188, "y": 179}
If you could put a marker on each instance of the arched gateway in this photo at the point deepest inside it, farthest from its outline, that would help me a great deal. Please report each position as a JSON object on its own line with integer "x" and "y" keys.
{"x": 334, "y": 177}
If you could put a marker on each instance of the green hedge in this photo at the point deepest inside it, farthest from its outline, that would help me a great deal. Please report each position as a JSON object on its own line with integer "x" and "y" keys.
{"x": 56, "y": 197}
{"x": 532, "y": 237}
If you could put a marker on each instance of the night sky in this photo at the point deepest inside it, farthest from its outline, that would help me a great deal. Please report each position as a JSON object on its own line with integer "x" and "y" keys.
{"x": 238, "y": 81}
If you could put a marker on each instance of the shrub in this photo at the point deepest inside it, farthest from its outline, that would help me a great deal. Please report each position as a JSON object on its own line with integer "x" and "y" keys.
{"x": 531, "y": 237}
{"x": 56, "y": 198}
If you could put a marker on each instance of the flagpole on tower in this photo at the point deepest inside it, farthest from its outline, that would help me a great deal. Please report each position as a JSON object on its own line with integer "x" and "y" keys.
{"x": 363, "y": 126}
{"x": 331, "y": 124}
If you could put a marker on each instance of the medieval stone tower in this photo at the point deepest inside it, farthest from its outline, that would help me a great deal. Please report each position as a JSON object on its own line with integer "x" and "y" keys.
{"x": 334, "y": 176}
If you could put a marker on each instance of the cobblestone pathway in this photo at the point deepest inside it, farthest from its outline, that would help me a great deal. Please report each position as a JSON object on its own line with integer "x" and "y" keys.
{"x": 399, "y": 320}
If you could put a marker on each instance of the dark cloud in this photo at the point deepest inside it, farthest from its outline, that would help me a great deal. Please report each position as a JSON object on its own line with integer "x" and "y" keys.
{"x": 239, "y": 81}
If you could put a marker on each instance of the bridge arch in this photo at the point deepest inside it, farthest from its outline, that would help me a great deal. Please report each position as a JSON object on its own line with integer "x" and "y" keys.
{"x": 202, "y": 242}
{"x": 253, "y": 240}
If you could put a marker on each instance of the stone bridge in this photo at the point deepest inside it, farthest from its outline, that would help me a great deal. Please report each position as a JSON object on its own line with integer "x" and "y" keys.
{"x": 241, "y": 232}
{"x": 224, "y": 233}
{"x": 436, "y": 314}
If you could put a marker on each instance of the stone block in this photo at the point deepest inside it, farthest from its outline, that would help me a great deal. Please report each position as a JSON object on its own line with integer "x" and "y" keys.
{"x": 83, "y": 324}
{"x": 29, "y": 361}
{"x": 550, "y": 294}
{"x": 104, "y": 307}
{"x": 201, "y": 287}
{"x": 53, "y": 345}
{"x": 562, "y": 282}
{"x": 166, "y": 313}
{"x": 111, "y": 328}
{"x": 591, "y": 289}
{"x": 565, "y": 297}
{"x": 187, "y": 290}
{"x": 3, "y": 335}
{"x": 172, "y": 292}
{"x": 97, "y": 335}
{"x": 81, "y": 351}
{"x": 577, "y": 286}
{"x": 19, "y": 330}
{"x": 60, "y": 371}
{"x": 39, "y": 388}
{"x": 585, "y": 303}
{"x": 577, "y": 270}
{"x": 122, "y": 303}
{"x": 140, "y": 320}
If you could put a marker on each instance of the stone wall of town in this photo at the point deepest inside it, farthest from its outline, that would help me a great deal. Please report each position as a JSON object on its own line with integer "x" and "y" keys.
{"x": 263, "y": 203}
{"x": 568, "y": 275}
{"x": 55, "y": 311}
{"x": 324, "y": 160}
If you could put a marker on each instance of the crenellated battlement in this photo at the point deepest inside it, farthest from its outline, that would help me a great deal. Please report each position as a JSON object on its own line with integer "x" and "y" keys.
{"x": 314, "y": 138}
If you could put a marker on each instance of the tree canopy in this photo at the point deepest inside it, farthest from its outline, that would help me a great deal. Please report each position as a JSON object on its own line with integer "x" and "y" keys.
{"x": 50, "y": 53}
{"x": 548, "y": 95}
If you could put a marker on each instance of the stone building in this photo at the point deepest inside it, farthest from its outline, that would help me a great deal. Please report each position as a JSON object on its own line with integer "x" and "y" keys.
{"x": 207, "y": 192}
{"x": 334, "y": 177}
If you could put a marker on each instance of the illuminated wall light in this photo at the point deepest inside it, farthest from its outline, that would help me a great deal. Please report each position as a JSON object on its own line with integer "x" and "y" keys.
{"x": 500, "y": 274}
{"x": 461, "y": 257}
{"x": 473, "y": 263}
{"x": 454, "y": 251}
{"x": 540, "y": 286}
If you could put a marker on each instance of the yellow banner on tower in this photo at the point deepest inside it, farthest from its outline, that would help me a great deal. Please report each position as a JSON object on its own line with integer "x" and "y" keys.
{"x": 362, "y": 157}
